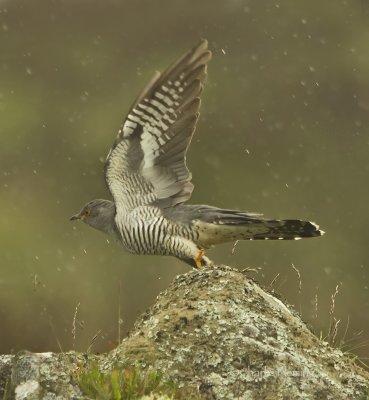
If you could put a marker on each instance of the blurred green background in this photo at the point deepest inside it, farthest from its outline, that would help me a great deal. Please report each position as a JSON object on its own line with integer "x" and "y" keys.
{"x": 283, "y": 131}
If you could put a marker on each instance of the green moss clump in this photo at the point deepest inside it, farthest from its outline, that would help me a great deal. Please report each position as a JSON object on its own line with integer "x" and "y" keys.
{"x": 126, "y": 384}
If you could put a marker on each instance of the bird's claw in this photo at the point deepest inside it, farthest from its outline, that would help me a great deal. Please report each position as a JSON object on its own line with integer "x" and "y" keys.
{"x": 198, "y": 258}
{"x": 201, "y": 260}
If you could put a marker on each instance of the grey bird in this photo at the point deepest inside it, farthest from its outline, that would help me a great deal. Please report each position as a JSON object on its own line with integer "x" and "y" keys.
{"x": 149, "y": 181}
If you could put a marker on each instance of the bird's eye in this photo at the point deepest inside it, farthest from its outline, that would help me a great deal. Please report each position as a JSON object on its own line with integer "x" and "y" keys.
{"x": 87, "y": 213}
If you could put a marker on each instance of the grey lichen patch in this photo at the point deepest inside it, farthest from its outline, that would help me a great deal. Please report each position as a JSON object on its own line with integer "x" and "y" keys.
{"x": 217, "y": 333}
{"x": 52, "y": 372}
{"x": 28, "y": 390}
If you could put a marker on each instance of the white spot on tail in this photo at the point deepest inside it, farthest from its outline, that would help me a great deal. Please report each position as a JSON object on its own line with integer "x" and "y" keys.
{"x": 315, "y": 225}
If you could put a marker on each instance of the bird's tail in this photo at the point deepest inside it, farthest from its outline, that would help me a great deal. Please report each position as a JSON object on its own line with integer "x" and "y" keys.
{"x": 217, "y": 226}
{"x": 287, "y": 229}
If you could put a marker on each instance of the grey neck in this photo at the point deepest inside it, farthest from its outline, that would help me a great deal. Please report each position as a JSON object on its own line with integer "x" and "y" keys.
{"x": 105, "y": 219}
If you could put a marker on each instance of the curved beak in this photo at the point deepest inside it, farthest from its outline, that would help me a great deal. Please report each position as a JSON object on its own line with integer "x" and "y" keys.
{"x": 75, "y": 217}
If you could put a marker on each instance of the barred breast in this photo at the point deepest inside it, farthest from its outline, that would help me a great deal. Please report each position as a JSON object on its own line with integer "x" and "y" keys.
{"x": 146, "y": 231}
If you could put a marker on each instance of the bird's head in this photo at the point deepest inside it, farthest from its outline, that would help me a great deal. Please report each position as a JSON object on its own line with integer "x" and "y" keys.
{"x": 99, "y": 214}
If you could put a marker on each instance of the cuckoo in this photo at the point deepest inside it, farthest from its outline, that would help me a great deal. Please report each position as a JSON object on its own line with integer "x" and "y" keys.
{"x": 150, "y": 183}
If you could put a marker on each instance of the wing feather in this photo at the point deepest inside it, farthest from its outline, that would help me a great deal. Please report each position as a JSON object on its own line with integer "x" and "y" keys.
{"x": 147, "y": 163}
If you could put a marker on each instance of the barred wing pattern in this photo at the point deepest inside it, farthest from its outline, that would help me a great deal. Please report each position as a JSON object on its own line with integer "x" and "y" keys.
{"x": 147, "y": 163}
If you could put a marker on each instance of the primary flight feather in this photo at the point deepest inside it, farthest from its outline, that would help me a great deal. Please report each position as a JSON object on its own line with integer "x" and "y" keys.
{"x": 149, "y": 181}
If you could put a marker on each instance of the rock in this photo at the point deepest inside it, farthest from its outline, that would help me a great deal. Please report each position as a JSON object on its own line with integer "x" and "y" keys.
{"x": 30, "y": 390}
{"x": 215, "y": 332}
{"x": 6, "y": 362}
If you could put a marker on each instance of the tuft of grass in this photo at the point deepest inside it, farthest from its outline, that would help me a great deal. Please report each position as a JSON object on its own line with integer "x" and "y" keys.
{"x": 6, "y": 393}
{"x": 126, "y": 384}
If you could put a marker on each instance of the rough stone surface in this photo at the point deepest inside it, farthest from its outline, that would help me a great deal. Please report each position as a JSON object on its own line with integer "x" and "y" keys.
{"x": 30, "y": 389}
{"x": 6, "y": 362}
{"x": 215, "y": 332}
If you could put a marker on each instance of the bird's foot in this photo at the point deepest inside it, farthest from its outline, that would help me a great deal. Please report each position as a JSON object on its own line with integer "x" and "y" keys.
{"x": 198, "y": 259}
{"x": 201, "y": 260}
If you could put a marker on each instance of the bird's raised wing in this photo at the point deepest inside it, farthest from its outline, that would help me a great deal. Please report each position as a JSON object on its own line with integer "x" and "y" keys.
{"x": 147, "y": 163}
